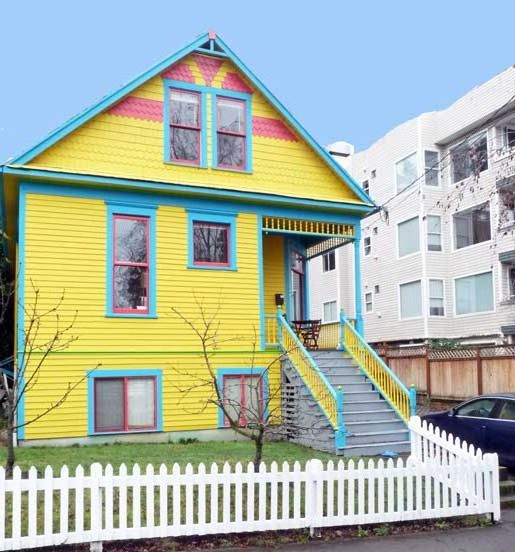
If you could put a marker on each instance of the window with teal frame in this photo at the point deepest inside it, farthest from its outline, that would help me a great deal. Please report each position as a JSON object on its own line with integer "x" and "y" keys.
{"x": 212, "y": 240}
{"x": 131, "y": 260}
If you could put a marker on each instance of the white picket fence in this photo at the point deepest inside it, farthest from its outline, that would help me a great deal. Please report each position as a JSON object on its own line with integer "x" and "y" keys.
{"x": 441, "y": 478}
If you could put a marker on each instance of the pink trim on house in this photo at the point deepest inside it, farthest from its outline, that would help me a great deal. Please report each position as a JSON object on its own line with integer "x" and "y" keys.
{"x": 272, "y": 128}
{"x": 179, "y": 72}
{"x": 138, "y": 108}
{"x": 208, "y": 66}
{"x": 232, "y": 81}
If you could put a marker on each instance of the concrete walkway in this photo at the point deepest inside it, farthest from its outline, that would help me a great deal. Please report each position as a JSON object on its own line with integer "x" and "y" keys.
{"x": 494, "y": 538}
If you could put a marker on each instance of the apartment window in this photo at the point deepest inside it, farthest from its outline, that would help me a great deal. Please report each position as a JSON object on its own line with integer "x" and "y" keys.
{"x": 185, "y": 126}
{"x": 366, "y": 187}
{"x": 408, "y": 237}
{"x": 474, "y": 293}
{"x": 511, "y": 282}
{"x": 329, "y": 261}
{"x": 130, "y": 264}
{"x": 243, "y": 398}
{"x": 127, "y": 403}
{"x": 431, "y": 167}
{"x": 469, "y": 157}
{"x": 330, "y": 313}
{"x": 436, "y": 298}
{"x": 434, "y": 233}
{"x": 410, "y": 299}
{"x": 508, "y": 134}
{"x": 369, "y": 302}
{"x": 472, "y": 226}
{"x": 406, "y": 171}
{"x": 231, "y": 133}
{"x": 367, "y": 245}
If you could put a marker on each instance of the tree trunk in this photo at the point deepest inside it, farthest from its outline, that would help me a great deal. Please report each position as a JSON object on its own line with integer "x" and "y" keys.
{"x": 11, "y": 459}
{"x": 258, "y": 455}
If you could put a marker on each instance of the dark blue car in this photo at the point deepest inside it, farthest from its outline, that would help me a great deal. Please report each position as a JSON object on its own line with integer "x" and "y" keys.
{"x": 488, "y": 422}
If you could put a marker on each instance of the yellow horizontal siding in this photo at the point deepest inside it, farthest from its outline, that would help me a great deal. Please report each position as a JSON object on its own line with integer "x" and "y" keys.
{"x": 111, "y": 145}
{"x": 273, "y": 270}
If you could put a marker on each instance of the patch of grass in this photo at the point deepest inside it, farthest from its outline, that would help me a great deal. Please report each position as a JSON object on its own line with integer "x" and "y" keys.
{"x": 382, "y": 531}
{"x": 362, "y": 533}
{"x": 158, "y": 453}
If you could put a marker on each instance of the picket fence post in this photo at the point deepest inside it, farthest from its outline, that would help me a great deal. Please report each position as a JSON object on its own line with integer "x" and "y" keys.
{"x": 314, "y": 494}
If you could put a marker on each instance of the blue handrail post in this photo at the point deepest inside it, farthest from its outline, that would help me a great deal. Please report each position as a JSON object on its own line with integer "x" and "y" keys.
{"x": 413, "y": 399}
{"x": 340, "y": 435}
{"x": 340, "y": 346}
{"x": 279, "y": 327}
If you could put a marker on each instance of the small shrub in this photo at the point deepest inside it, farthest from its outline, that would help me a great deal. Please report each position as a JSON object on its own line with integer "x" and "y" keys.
{"x": 382, "y": 531}
{"x": 187, "y": 441}
{"x": 362, "y": 533}
{"x": 442, "y": 525}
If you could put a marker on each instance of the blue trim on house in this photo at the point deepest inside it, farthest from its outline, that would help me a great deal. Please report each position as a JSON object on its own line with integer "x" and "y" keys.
{"x": 247, "y": 98}
{"x": 109, "y": 100}
{"x": 213, "y": 216}
{"x": 214, "y": 193}
{"x": 357, "y": 285}
{"x": 261, "y": 282}
{"x": 126, "y": 372}
{"x": 167, "y": 83}
{"x": 134, "y": 209}
{"x": 221, "y": 372}
{"x": 291, "y": 245}
{"x": 20, "y": 294}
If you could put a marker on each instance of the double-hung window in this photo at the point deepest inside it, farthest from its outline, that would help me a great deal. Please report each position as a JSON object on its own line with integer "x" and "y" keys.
{"x": 231, "y": 133}
{"x": 436, "y": 298}
{"x": 243, "y": 399}
{"x": 472, "y": 226}
{"x": 330, "y": 313}
{"x": 369, "y": 302}
{"x": 434, "y": 232}
{"x": 185, "y": 126}
{"x": 408, "y": 237}
{"x": 124, "y": 401}
{"x": 367, "y": 245}
{"x": 130, "y": 264}
{"x": 431, "y": 162}
{"x": 410, "y": 295}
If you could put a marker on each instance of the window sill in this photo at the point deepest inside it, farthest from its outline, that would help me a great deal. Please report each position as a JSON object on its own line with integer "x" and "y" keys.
{"x": 129, "y": 315}
{"x": 132, "y": 432}
{"x": 228, "y": 169}
{"x": 189, "y": 165}
{"x": 206, "y": 267}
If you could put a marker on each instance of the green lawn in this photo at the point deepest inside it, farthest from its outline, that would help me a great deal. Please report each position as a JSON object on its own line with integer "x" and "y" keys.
{"x": 158, "y": 453}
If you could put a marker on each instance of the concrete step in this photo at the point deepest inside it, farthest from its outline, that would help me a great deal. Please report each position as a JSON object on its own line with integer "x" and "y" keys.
{"x": 375, "y": 403}
{"x": 376, "y": 449}
{"x": 376, "y": 426}
{"x": 386, "y": 414}
{"x": 369, "y": 438}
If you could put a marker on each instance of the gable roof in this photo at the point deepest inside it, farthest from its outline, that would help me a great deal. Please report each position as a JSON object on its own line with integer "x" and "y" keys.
{"x": 207, "y": 43}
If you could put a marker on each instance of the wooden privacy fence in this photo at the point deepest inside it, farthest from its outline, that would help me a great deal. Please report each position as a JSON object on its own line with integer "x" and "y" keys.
{"x": 453, "y": 373}
{"x": 442, "y": 477}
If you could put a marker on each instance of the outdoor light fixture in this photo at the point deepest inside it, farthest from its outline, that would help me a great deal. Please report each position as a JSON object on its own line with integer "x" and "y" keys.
{"x": 279, "y": 299}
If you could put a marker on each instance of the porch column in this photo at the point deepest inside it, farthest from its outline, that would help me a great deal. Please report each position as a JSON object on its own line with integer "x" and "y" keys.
{"x": 357, "y": 284}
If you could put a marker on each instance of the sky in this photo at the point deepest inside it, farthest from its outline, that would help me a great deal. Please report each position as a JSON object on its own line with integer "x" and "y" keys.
{"x": 346, "y": 70}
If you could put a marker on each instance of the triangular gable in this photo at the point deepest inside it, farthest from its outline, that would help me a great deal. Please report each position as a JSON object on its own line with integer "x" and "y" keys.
{"x": 209, "y": 53}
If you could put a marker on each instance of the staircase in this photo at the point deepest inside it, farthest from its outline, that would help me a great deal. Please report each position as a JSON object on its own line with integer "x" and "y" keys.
{"x": 372, "y": 426}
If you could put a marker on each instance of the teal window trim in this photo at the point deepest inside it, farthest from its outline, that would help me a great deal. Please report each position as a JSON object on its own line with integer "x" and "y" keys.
{"x": 213, "y": 216}
{"x": 168, "y": 84}
{"x": 221, "y": 372}
{"x": 156, "y": 373}
{"x": 142, "y": 210}
{"x": 247, "y": 98}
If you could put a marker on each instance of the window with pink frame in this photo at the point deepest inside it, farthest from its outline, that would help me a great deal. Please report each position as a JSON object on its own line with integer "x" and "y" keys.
{"x": 243, "y": 399}
{"x": 130, "y": 264}
{"x": 185, "y": 126}
{"x": 125, "y": 404}
{"x": 231, "y": 133}
{"x": 211, "y": 244}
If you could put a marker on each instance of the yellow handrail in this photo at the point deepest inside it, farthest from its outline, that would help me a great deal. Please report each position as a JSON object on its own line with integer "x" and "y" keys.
{"x": 387, "y": 383}
{"x": 329, "y": 336}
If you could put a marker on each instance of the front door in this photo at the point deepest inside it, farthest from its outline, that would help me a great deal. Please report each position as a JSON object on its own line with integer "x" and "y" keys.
{"x": 297, "y": 285}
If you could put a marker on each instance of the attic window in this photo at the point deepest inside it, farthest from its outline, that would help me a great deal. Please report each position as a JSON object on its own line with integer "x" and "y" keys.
{"x": 231, "y": 133}
{"x": 185, "y": 127}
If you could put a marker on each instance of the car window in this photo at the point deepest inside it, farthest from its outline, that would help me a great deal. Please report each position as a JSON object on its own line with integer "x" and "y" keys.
{"x": 507, "y": 411}
{"x": 482, "y": 408}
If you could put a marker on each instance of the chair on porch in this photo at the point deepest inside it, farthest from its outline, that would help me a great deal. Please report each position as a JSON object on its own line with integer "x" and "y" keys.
{"x": 308, "y": 332}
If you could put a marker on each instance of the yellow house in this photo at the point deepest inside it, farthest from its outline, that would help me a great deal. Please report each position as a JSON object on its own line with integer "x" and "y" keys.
{"x": 190, "y": 188}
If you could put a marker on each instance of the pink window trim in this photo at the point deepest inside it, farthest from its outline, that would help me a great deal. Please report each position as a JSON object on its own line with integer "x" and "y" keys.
{"x": 198, "y": 129}
{"x": 242, "y": 134}
{"x": 243, "y": 397}
{"x": 126, "y": 426}
{"x": 144, "y": 265}
{"x": 227, "y": 229}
